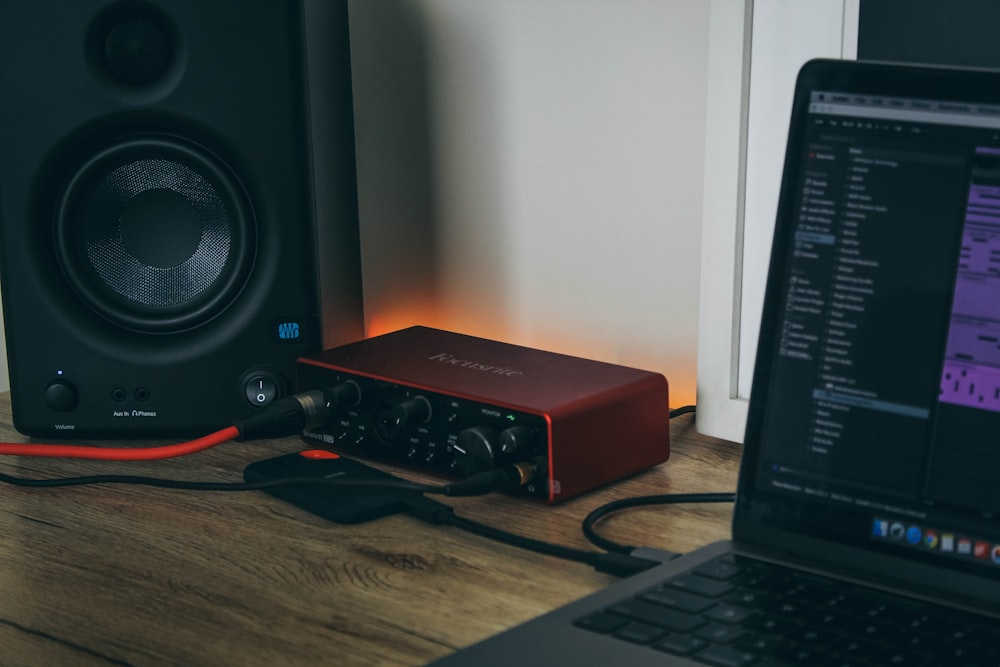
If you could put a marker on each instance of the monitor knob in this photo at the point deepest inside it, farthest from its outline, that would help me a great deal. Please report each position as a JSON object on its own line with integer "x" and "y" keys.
{"x": 474, "y": 450}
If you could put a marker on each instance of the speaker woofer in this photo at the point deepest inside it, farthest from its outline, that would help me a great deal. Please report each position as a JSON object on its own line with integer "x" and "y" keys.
{"x": 155, "y": 234}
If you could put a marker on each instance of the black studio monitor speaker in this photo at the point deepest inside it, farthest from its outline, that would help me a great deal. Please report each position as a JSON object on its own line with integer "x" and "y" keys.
{"x": 178, "y": 208}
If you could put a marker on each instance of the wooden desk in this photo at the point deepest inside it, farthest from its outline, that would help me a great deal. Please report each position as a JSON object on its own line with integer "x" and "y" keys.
{"x": 132, "y": 575}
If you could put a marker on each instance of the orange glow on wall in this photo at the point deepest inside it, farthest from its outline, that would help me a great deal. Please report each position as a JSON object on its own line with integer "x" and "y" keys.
{"x": 394, "y": 319}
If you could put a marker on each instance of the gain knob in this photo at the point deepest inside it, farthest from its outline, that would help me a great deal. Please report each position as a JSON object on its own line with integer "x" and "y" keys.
{"x": 392, "y": 419}
{"x": 474, "y": 450}
{"x": 416, "y": 410}
{"x": 342, "y": 396}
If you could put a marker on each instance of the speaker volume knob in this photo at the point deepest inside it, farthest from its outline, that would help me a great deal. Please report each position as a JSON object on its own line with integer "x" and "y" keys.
{"x": 474, "y": 450}
{"x": 61, "y": 395}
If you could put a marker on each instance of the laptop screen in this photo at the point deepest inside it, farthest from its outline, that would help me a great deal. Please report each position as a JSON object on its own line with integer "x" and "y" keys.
{"x": 875, "y": 410}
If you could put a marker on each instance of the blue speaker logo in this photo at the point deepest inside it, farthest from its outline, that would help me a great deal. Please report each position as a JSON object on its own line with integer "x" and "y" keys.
{"x": 289, "y": 331}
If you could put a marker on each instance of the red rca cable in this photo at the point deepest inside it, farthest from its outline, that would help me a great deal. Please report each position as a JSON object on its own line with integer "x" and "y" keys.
{"x": 119, "y": 453}
{"x": 286, "y": 416}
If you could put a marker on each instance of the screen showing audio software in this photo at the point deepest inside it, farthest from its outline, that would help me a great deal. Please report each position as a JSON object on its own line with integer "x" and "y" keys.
{"x": 888, "y": 349}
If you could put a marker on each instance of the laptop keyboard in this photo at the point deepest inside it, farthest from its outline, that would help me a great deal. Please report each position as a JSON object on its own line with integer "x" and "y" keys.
{"x": 737, "y": 611}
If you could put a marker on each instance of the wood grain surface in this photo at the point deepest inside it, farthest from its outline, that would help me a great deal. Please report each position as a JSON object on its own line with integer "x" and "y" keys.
{"x": 135, "y": 575}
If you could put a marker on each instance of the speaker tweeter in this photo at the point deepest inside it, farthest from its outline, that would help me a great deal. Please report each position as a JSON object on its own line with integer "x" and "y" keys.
{"x": 134, "y": 46}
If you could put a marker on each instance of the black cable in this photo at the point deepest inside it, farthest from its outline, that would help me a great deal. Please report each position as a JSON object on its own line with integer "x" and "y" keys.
{"x": 617, "y": 561}
{"x": 641, "y": 501}
{"x": 587, "y": 557}
{"x": 436, "y": 513}
{"x": 687, "y": 409}
{"x": 419, "y": 506}
{"x": 398, "y": 485}
{"x": 476, "y": 485}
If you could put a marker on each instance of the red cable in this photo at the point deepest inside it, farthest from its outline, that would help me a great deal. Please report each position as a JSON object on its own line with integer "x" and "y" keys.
{"x": 121, "y": 454}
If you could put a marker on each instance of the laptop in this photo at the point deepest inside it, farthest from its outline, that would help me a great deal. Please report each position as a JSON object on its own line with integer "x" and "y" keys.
{"x": 866, "y": 529}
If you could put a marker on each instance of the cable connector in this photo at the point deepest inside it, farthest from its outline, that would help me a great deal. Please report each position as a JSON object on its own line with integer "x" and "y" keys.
{"x": 305, "y": 411}
{"x": 427, "y": 510}
{"x": 623, "y": 565}
{"x": 507, "y": 477}
{"x": 286, "y": 416}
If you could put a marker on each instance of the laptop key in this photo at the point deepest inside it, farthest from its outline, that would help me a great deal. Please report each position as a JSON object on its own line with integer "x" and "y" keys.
{"x": 799, "y": 655}
{"x": 747, "y": 597}
{"x": 813, "y": 636}
{"x": 963, "y": 654}
{"x": 831, "y": 620}
{"x": 640, "y": 633}
{"x": 720, "y": 633}
{"x": 602, "y": 622}
{"x": 853, "y": 647}
{"x": 771, "y": 625}
{"x": 701, "y": 585}
{"x": 652, "y": 614}
{"x": 680, "y": 644}
{"x": 677, "y": 599}
{"x": 762, "y": 644}
{"x": 895, "y": 658}
{"x": 724, "y": 656}
{"x": 785, "y": 608}
{"x": 719, "y": 569}
{"x": 727, "y": 613}
{"x": 974, "y": 632}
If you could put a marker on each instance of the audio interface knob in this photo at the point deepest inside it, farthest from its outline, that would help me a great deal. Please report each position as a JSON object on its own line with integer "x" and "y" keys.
{"x": 474, "y": 450}
{"x": 416, "y": 410}
{"x": 394, "y": 417}
{"x": 344, "y": 395}
{"x": 515, "y": 438}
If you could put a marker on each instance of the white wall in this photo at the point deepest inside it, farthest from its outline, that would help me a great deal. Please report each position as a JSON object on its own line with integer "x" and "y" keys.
{"x": 531, "y": 171}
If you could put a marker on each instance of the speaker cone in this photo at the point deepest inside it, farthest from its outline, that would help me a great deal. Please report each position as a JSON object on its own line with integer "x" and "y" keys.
{"x": 155, "y": 234}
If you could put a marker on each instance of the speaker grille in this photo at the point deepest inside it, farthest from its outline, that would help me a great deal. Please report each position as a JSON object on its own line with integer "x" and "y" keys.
{"x": 155, "y": 235}
{"x": 141, "y": 280}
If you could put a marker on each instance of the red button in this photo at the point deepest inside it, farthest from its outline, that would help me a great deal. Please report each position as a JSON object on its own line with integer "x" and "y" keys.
{"x": 319, "y": 454}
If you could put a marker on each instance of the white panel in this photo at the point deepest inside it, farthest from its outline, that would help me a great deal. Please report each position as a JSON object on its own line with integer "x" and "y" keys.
{"x": 756, "y": 49}
{"x": 786, "y": 33}
{"x": 720, "y": 413}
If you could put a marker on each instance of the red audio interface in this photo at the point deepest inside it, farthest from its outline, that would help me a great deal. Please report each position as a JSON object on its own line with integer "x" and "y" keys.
{"x": 456, "y": 405}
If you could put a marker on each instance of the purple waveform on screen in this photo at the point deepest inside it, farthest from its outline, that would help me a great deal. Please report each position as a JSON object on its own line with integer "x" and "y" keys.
{"x": 971, "y": 374}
